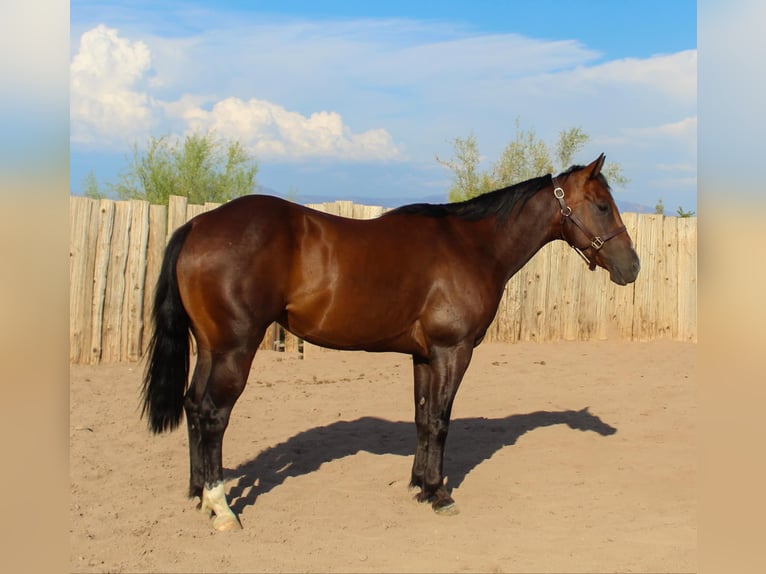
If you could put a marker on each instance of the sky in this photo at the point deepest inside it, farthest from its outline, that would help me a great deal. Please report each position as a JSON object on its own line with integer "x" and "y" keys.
{"x": 355, "y": 100}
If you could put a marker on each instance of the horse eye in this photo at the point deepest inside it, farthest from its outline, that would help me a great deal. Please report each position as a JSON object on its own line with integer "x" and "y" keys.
{"x": 603, "y": 207}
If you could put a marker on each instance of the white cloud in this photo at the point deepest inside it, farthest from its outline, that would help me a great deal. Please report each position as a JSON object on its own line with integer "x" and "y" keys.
{"x": 111, "y": 103}
{"x": 681, "y": 134}
{"x": 283, "y": 57}
{"x": 620, "y": 91}
{"x": 106, "y": 104}
{"x": 273, "y": 132}
{"x": 674, "y": 75}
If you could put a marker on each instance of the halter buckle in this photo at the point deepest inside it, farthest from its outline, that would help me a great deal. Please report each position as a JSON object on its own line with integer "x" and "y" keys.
{"x": 597, "y": 243}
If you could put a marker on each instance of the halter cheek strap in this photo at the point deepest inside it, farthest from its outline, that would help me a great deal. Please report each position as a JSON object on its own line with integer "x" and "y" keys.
{"x": 596, "y": 241}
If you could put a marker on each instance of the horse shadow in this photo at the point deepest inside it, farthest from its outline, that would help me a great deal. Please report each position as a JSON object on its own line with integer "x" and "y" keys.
{"x": 473, "y": 439}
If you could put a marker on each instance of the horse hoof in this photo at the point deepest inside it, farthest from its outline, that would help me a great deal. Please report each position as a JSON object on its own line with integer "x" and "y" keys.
{"x": 450, "y": 509}
{"x": 226, "y": 524}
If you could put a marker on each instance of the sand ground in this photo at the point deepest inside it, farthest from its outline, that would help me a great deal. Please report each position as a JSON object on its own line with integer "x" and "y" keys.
{"x": 318, "y": 457}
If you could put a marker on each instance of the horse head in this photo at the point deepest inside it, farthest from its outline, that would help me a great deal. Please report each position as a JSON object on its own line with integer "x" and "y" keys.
{"x": 591, "y": 222}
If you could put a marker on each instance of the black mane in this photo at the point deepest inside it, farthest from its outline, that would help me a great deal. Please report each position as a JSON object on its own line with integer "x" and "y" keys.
{"x": 498, "y": 203}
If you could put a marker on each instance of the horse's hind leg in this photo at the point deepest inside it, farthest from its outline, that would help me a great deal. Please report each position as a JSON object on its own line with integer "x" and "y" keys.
{"x": 196, "y": 389}
{"x": 210, "y": 403}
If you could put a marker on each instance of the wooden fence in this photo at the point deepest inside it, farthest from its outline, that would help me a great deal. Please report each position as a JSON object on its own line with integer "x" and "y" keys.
{"x": 116, "y": 249}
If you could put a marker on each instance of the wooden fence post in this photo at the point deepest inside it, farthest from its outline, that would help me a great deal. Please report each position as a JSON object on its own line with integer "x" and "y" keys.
{"x": 83, "y": 234}
{"x": 111, "y": 339}
{"x": 687, "y": 279}
{"x": 667, "y": 312}
{"x": 650, "y": 280}
{"x": 106, "y": 210}
{"x": 133, "y": 302}
{"x": 155, "y": 249}
{"x": 624, "y": 306}
{"x": 176, "y": 213}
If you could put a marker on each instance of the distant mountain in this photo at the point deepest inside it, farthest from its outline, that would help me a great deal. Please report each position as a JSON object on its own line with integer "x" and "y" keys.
{"x": 630, "y": 207}
{"x": 388, "y": 202}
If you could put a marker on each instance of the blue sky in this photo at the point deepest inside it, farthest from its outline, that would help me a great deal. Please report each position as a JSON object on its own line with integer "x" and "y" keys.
{"x": 355, "y": 100}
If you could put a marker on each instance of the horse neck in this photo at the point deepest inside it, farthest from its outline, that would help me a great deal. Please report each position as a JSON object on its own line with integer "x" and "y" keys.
{"x": 523, "y": 233}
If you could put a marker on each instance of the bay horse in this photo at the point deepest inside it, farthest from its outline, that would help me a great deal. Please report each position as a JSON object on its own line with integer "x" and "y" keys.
{"x": 425, "y": 280}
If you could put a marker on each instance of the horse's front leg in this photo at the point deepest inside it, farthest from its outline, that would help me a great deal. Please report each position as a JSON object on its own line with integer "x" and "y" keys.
{"x": 422, "y": 371}
{"x": 437, "y": 387}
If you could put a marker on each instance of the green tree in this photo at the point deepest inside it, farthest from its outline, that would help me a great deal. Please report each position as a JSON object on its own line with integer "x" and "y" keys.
{"x": 570, "y": 142}
{"x": 200, "y": 167}
{"x": 613, "y": 173}
{"x": 525, "y": 157}
{"x": 91, "y": 188}
{"x": 467, "y": 180}
{"x": 659, "y": 209}
{"x": 681, "y": 213}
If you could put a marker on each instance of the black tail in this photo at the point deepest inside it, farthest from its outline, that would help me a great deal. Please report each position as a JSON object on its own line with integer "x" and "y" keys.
{"x": 167, "y": 366}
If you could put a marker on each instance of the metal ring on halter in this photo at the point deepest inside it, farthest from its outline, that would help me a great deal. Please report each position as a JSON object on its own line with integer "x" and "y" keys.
{"x": 558, "y": 193}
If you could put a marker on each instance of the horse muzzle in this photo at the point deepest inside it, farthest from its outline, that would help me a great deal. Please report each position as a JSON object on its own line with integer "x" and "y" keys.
{"x": 624, "y": 272}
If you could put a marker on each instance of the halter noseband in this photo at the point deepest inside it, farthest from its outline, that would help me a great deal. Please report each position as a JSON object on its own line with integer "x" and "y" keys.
{"x": 596, "y": 241}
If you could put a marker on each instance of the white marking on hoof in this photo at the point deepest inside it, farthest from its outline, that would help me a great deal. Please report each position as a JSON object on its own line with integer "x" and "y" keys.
{"x": 214, "y": 502}
{"x": 205, "y": 508}
{"x": 449, "y": 510}
{"x": 226, "y": 523}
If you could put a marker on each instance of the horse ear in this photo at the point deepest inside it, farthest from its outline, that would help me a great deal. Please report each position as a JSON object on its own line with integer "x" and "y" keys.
{"x": 595, "y": 167}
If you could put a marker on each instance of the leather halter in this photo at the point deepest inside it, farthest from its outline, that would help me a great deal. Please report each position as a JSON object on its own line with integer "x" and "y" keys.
{"x": 596, "y": 241}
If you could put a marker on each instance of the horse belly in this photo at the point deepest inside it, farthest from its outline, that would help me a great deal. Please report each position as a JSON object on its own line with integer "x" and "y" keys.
{"x": 356, "y": 316}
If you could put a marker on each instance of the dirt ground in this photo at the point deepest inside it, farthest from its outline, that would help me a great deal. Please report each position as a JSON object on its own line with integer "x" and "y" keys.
{"x": 318, "y": 456}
